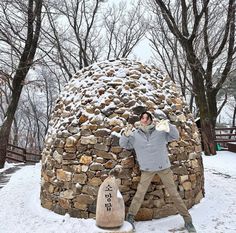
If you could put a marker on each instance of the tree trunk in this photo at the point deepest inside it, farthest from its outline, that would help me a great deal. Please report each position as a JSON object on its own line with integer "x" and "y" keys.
{"x": 6, "y": 127}
{"x": 25, "y": 62}
{"x": 207, "y": 128}
{"x": 212, "y": 105}
{"x": 234, "y": 115}
{"x": 207, "y": 137}
{"x": 15, "y": 136}
{"x": 3, "y": 144}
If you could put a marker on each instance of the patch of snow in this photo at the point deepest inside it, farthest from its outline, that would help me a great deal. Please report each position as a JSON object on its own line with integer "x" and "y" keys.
{"x": 116, "y": 134}
{"x": 120, "y": 73}
{"x": 6, "y": 166}
{"x": 22, "y": 213}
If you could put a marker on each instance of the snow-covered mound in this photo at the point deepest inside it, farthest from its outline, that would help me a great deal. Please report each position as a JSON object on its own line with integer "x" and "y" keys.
{"x": 81, "y": 146}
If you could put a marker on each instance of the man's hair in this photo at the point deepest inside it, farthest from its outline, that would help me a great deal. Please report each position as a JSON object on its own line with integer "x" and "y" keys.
{"x": 147, "y": 113}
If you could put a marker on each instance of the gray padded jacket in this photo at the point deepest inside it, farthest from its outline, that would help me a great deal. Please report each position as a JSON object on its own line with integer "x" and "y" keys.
{"x": 151, "y": 148}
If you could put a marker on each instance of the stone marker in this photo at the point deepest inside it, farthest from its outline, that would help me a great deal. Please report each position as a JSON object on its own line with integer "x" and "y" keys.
{"x": 110, "y": 211}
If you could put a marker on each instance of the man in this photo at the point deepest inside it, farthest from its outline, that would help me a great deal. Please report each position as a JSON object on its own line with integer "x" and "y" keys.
{"x": 149, "y": 141}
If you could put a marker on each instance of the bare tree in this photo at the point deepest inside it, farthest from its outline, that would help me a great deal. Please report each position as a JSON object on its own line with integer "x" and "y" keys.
{"x": 197, "y": 24}
{"x": 169, "y": 55}
{"x": 73, "y": 39}
{"x": 19, "y": 32}
{"x": 73, "y": 35}
{"x": 82, "y": 33}
{"x": 5, "y": 94}
{"x": 124, "y": 29}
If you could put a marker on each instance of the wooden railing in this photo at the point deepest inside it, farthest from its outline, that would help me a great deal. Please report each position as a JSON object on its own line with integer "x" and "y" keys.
{"x": 225, "y": 136}
{"x": 19, "y": 154}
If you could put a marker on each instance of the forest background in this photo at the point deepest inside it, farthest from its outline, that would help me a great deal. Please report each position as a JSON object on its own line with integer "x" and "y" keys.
{"x": 44, "y": 42}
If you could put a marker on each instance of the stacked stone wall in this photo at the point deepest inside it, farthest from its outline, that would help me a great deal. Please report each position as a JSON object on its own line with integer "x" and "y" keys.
{"x": 82, "y": 144}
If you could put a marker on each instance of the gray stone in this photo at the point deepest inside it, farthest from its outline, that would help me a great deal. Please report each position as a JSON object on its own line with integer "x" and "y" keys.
{"x": 101, "y": 147}
{"x": 88, "y": 140}
{"x": 80, "y": 178}
{"x": 96, "y": 167}
{"x": 91, "y": 190}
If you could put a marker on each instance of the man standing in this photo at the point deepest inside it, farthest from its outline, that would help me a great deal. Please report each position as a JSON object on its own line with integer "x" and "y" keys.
{"x": 149, "y": 141}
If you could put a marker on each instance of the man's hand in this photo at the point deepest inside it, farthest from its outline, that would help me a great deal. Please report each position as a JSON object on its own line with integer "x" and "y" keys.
{"x": 163, "y": 125}
{"x": 128, "y": 130}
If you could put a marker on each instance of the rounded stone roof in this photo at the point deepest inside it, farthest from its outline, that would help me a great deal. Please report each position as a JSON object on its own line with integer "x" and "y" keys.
{"x": 81, "y": 145}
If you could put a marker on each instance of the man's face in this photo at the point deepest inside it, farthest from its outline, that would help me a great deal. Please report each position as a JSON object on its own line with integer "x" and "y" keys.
{"x": 145, "y": 120}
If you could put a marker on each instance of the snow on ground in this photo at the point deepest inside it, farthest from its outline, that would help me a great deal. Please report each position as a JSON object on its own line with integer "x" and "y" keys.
{"x": 20, "y": 210}
{"x": 6, "y": 166}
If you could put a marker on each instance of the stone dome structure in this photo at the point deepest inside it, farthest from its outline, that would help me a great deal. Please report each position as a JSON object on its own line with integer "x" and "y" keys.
{"x": 82, "y": 143}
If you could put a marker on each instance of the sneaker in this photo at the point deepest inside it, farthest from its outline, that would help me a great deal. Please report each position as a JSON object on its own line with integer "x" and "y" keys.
{"x": 190, "y": 227}
{"x": 130, "y": 219}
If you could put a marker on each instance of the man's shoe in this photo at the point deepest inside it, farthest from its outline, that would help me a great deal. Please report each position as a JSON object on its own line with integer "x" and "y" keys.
{"x": 130, "y": 219}
{"x": 190, "y": 227}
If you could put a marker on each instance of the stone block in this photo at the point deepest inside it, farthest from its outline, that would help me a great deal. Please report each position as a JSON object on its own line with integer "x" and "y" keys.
{"x": 105, "y": 155}
{"x": 183, "y": 178}
{"x": 80, "y": 206}
{"x": 95, "y": 181}
{"x": 79, "y": 178}
{"x": 57, "y": 156}
{"x": 96, "y": 167}
{"x": 84, "y": 199}
{"x": 125, "y": 154}
{"x": 187, "y": 185}
{"x": 70, "y": 141}
{"x": 67, "y": 194}
{"x": 88, "y": 140}
{"x": 127, "y": 162}
{"x": 91, "y": 190}
{"x": 68, "y": 156}
{"x": 158, "y": 202}
{"x": 48, "y": 204}
{"x": 144, "y": 214}
{"x": 63, "y": 175}
{"x": 102, "y": 132}
{"x": 167, "y": 210}
{"x": 64, "y": 203}
{"x": 116, "y": 149}
{"x": 102, "y": 147}
{"x": 110, "y": 164}
{"x": 198, "y": 197}
{"x": 158, "y": 193}
{"x": 86, "y": 160}
{"x": 59, "y": 210}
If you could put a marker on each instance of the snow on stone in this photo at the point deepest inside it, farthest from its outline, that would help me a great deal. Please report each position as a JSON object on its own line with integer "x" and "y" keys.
{"x": 116, "y": 134}
{"x": 121, "y": 73}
